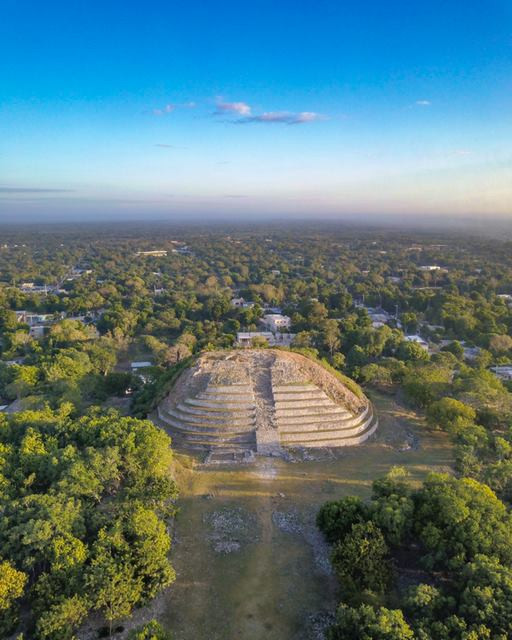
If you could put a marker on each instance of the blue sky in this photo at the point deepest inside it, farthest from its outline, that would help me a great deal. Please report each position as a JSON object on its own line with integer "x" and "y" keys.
{"x": 237, "y": 110}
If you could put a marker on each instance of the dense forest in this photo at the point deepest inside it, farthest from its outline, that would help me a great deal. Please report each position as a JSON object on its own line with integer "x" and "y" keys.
{"x": 86, "y": 494}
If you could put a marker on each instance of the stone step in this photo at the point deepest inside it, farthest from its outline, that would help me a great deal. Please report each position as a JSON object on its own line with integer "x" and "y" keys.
{"x": 182, "y": 441}
{"x": 313, "y": 431}
{"x": 293, "y": 388}
{"x": 221, "y": 413}
{"x": 231, "y": 425}
{"x": 294, "y": 397}
{"x": 329, "y": 441}
{"x": 212, "y": 441}
{"x": 302, "y": 404}
{"x": 231, "y": 388}
{"x": 209, "y": 434}
{"x": 312, "y": 411}
{"x": 209, "y": 417}
{"x": 235, "y": 398}
{"x": 311, "y": 425}
{"x": 218, "y": 404}
{"x": 325, "y": 416}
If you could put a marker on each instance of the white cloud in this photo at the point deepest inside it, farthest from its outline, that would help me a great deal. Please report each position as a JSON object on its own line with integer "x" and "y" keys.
{"x": 244, "y": 111}
{"x": 283, "y": 117}
{"x": 170, "y": 107}
{"x": 241, "y": 108}
{"x": 423, "y": 103}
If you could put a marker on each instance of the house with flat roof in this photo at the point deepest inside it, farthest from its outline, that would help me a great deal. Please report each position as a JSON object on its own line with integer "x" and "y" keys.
{"x": 142, "y": 364}
{"x": 245, "y": 338}
{"x": 275, "y": 322}
{"x": 154, "y": 252}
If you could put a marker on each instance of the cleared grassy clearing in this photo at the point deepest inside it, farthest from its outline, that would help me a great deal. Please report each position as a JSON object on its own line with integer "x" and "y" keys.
{"x": 273, "y": 585}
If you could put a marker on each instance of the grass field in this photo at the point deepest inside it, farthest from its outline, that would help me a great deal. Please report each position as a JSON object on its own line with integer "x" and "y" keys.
{"x": 250, "y": 564}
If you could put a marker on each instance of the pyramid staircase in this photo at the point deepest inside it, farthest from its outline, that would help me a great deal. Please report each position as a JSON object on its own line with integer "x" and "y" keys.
{"x": 221, "y": 416}
{"x": 307, "y": 417}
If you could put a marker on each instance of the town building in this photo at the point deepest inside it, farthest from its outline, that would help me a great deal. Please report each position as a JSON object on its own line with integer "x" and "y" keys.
{"x": 138, "y": 369}
{"x": 245, "y": 338}
{"x": 275, "y": 322}
{"x": 32, "y": 319}
{"x": 503, "y": 372}
{"x": 418, "y": 340}
{"x": 157, "y": 253}
{"x": 143, "y": 364}
{"x": 37, "y": 331}
{"x": 471, "y": 353}
{"x": 241, "y": 303}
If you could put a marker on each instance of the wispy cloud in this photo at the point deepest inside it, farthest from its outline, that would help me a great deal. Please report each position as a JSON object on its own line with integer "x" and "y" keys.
{"x": 240, "y": 108}
{"x": 284, "y": 117}
{"x": 235, "y": 195}
{"x": 164, "y": 145}
{"x": 170, "y": 107}
{"x": 242, "y": 113}
{"x": 32, "y": 190}
{"x": 423, "y": 103}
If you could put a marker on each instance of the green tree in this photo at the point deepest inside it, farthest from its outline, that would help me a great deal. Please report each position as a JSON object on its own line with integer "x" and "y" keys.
{"x": 409, "y": 351}
{"x": 486, "y": 598}
{"x": 68, "y": 331}
{"x": 150, "y": 631}
{"x": 12, "y": 587}
{"x": 59, "y": 620}
{"x": 331, "y": 335}
{"x": 361, "y": 559}
{"x": 426, "y": 383}
{"x": 367, "y": 623}
{"x": 111, "y": 577}
{"x": 443, "y": 413}
{"x": 458, "y": 519}
{"x": 335, "y": 518}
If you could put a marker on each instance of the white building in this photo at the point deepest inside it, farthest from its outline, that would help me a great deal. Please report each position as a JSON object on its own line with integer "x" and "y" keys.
{"x": 138, "y": 370}
{"x": 144, "y": 364}
{"x": 245, "y": 338}
{"x": 276, "y": 322}
{"x": 430, "y": 267}
{"x": 158, "y": 253}
{"x": 241, "y": 303}
{"x": 471, "y": 353}
{"x": 37, "y": 331}
{"x": 503, "y": 372}
{"x": 418, "y": 340}
{"x": 27, "y": 317}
